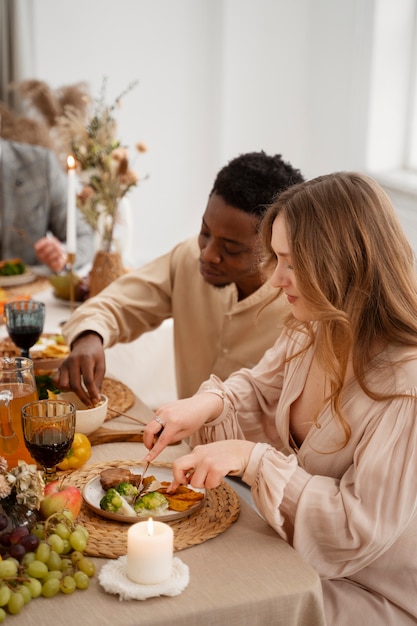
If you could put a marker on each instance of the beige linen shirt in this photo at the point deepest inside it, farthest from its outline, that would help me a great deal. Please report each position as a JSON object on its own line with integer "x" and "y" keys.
{"x": 213, "y": 331}
{"x": 351, "y": 513}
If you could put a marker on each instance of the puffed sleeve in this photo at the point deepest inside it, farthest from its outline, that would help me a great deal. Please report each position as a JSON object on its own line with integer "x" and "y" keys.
{"x": 342, "y": 524}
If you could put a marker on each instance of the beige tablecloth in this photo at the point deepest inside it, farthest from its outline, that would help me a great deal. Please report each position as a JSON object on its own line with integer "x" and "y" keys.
{"x": 247, "y": 575}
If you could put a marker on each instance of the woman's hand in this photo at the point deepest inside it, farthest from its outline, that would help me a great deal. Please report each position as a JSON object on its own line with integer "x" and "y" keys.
{"x": 207, "y": 465}
{"x": 176, "y": 420}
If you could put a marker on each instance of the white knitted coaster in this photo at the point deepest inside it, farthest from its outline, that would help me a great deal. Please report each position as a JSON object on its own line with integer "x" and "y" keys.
{"x": 113, "y": 579}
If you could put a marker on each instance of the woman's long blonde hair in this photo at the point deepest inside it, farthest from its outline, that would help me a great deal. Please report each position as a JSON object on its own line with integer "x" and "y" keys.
{"x": 355, "y": 268}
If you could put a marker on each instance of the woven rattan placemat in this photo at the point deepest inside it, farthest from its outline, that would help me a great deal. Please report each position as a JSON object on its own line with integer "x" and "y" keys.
{"x": 39, "y": 284}
{"x": 121, "y": 398}
{"x": 108, "y": 539}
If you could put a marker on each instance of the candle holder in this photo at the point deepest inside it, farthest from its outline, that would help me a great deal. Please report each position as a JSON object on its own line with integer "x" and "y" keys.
{"x": 70, "y": 268}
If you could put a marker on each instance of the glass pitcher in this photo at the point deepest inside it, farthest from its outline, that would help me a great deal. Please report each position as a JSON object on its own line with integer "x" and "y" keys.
{"x": 17, "y": 387}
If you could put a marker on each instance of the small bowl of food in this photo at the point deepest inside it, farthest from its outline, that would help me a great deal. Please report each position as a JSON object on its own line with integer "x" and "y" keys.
{"x": 87, "y": 419}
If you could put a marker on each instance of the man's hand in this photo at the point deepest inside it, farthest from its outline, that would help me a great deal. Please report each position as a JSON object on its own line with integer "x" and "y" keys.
{"x": 50, "y": 251}
{"x": 83, "y": 370}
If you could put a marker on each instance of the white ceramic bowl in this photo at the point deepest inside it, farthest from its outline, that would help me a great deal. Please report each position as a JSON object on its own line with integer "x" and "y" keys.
{"x": 87, "y": 420}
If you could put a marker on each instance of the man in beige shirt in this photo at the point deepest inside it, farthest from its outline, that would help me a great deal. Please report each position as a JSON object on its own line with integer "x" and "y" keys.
{"x": 225, "y": 315}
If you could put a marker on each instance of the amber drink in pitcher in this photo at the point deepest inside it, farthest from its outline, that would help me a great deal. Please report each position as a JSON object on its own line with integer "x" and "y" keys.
{"x": 17, "y": 388}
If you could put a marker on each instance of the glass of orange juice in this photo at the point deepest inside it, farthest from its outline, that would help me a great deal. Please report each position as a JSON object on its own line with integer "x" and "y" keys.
{"x": 17, "y": 387}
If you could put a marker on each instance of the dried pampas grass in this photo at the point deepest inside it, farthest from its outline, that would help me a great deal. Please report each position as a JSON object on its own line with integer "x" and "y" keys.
{"x": 51, "y": 103}
{"x": 23, "y": 129}
{"x": 45, "y": 107}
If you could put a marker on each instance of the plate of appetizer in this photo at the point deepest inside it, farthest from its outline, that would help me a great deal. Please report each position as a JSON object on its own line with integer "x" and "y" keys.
{"x": 14, "y": 272}
{"x": 48, "y": 352}
{"x": 114, "y": 494}
{"x": 18, "y": 279}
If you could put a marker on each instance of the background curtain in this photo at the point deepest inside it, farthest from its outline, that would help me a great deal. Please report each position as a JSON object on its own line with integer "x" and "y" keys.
{"x": 16, "y": 48}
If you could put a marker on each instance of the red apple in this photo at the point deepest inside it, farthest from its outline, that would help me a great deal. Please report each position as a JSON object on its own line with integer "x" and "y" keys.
{"x": 58, "y": 496}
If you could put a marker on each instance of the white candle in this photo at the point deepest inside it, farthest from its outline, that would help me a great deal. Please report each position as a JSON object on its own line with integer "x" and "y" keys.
{"x": 150, "y": 548}
{"x": 71, "y": 207}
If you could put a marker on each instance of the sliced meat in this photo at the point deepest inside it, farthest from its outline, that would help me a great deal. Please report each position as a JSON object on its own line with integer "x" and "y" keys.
{"x": 114, "y": 476}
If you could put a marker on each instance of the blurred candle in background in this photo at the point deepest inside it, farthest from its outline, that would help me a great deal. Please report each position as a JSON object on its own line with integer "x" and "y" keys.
{"x": 150, "y": 550}
{"x": 71, "y": 207}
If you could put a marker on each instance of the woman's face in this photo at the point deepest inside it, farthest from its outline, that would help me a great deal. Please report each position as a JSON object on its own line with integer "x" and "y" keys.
{"x": 283, "y": 276}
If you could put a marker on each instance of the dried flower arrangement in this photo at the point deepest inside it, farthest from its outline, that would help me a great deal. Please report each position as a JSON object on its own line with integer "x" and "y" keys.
{"x": 101, "y": 161}
{"x": 24, "y": 482}
{"x": 86, "y": 128}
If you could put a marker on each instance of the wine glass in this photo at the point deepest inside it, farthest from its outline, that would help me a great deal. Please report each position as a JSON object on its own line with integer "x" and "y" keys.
{"x": 24, "y": 323}
{"x": 48, "y": 430}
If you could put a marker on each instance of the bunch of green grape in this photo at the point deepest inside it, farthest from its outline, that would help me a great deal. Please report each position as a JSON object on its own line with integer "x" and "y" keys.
{"x": 43, "y": 561}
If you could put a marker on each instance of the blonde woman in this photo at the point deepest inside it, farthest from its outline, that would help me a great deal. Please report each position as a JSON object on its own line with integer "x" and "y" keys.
{"x": 324, "y": 428}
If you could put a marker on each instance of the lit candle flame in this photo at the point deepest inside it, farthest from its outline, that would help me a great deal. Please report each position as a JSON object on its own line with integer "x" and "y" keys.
{"x": 70, "y": 162}
{"x": 150, "y": 526}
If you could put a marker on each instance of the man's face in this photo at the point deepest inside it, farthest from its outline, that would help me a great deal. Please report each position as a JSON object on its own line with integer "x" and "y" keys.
{"x": 227, "y": 240}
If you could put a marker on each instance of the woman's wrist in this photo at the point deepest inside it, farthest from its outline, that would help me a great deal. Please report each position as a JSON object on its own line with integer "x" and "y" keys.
{"x": 216, "y": 398}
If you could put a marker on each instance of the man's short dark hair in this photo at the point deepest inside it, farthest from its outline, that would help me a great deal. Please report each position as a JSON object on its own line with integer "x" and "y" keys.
{"x": 251, "y": 181}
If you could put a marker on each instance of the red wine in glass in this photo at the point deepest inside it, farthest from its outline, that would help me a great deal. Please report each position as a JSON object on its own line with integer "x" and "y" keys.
{"x": 49, "y": 446}
{"x": 48, "y": 431}
{"x": 25, "y": 338}
{"x": 24, "y": 323}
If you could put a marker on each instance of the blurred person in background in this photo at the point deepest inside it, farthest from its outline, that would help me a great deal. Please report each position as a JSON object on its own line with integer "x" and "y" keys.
{"x": 33, "y": 209}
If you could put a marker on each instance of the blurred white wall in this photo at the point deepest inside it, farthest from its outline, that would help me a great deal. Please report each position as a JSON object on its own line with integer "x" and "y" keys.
{"x": 216, "y": 78}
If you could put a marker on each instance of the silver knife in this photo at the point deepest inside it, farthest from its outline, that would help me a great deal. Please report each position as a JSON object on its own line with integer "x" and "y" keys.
{"x": 145, "y": 469}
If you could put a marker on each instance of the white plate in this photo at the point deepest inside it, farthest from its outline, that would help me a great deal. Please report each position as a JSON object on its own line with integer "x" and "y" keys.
{"x": 93, "y": 492}
{"x": 18, "y": 279}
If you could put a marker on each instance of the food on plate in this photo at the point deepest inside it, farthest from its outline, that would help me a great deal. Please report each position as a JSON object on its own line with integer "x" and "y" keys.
{"x": 153, "y": 503}
{"x": 124, "y": 498}
{"x": 113, "y": 502}
{"x": 12, "y": 267}
{"x": 47, "y": 347}
{"x": 128, "y": 491}
{"x": 50, "y": 347}
{"x": 114, "y": 476}
{"x": 45, "y": 386}
{"x": 182, "y": 498}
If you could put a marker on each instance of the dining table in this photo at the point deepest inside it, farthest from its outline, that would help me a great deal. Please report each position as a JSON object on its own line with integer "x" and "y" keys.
{"x": 240, "y": 570}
